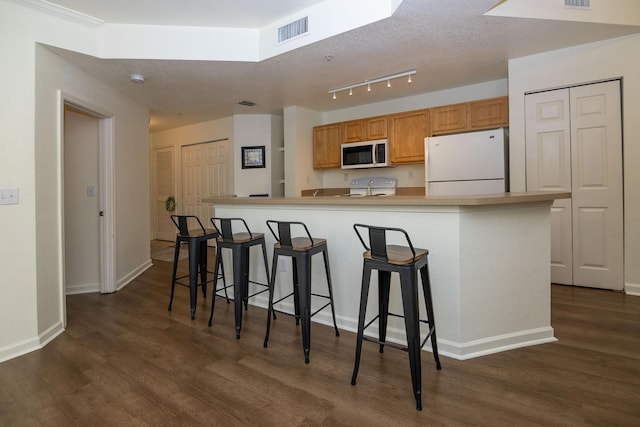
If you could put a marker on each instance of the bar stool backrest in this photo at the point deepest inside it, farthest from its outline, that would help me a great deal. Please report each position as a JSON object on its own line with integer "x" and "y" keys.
{"x": 378, "y": 240}
{"x": 224, "y": 226}
{"x": 283, "y": 236}
{"x": 182, "y": 222}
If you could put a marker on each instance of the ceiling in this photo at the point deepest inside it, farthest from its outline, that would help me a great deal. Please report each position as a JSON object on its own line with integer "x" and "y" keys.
{"x": 450, "y": 44}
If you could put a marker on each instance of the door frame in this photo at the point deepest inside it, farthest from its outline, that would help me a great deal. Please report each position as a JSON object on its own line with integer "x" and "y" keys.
{"x": 106, "y": 182}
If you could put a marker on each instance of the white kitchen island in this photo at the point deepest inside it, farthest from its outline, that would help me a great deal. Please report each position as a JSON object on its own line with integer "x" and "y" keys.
{"x": 489, "y": 259}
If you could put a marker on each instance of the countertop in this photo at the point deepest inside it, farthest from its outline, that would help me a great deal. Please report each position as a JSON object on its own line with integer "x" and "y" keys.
{"x": 399, "y": 200}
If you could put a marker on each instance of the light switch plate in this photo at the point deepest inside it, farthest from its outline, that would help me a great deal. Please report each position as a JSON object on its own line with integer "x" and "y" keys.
{"x": 9, "y": 196}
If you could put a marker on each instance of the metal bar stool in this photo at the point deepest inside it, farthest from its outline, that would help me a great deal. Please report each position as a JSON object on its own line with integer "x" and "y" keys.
{"x": 196, "y": 238}
{"x": 300, "y": 249}
{"x": 407, "y": 261}
{"x": 239, "y": 243}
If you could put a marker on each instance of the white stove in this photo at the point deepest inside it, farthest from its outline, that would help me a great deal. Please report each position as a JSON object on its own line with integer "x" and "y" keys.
{"x": 373, "y": 187}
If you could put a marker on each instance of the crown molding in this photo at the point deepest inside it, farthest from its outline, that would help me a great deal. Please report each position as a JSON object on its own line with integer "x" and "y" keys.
{"x": 61, "y": 12}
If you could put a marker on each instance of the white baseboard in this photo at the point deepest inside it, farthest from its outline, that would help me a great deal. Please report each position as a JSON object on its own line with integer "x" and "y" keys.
{"x": 82, "y": 289}
{"x": 632, "y": 289}
{"x": 133, "y": 274}
{"x": 31, "y": 344}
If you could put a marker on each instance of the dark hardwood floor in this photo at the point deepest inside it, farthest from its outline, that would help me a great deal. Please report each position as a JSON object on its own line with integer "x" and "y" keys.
{"x": 125, "y": 360}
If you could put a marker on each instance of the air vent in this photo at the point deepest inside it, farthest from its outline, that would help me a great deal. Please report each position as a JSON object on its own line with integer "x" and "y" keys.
{"x": 584, "y": 4}
{"x": 247, "y": 103}
{"x": 294, "y": 29}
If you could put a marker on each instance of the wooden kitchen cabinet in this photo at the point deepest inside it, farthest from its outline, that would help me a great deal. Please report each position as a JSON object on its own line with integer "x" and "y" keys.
{"x": 474, "y": 115}
{"x": 449, "y": 118}
{"x": 489, "y": 113}
{"x": 326, "y": 146}
{"x": 365, "y": 129}
{"x": 407, "y": 132}
{"x": 353, "y": 131}
{"x": 376, "y": 127}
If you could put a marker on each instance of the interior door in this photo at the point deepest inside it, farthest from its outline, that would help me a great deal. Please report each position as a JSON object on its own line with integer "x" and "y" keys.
{"x": 205, "y": 169}
{"x": 548, "y": 150}
{"x": 164, "y": 187}
{"x": 596, "y": 144}
{"x": 574, "y": 143}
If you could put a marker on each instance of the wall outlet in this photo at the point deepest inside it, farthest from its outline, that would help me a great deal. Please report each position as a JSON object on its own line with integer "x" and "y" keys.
{"x": 346, "y": 176}
{"x": 9, "y": 196}
{"x": 410, "y": 174}
{"x": 282, "y": 264}
{"x": 91, "y": 191}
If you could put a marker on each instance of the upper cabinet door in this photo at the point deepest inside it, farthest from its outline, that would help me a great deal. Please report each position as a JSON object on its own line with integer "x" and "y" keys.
{"x": 354, "y": 131}
{"x": 407, "y": 132}
{"x": 449, "y": 118}
{"x": 376, "y": 127}
{"x": 489, "y": 113}
{"x": 326, "y": 146}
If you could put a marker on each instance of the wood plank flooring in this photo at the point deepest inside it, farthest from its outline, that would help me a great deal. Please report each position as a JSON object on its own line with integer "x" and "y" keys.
{"x": 125, "y": 360}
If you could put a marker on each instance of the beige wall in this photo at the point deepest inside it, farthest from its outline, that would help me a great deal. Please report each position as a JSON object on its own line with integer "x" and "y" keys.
{"x": 31, "y": 290}
{"x": 583, "y": 64}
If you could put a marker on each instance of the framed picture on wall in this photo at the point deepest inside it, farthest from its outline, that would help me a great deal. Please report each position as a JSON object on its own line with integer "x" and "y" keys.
{"x": 253, "y": 157}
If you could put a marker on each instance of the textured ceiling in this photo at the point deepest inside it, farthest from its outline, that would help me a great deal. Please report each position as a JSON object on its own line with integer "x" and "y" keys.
{"x": 450, "y": 44}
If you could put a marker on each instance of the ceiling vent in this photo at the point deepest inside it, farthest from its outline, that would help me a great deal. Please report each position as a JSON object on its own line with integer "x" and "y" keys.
{"x": 247, "y": 103}
{"x": 583, "y": 4}
{"x": 294, "y": 29}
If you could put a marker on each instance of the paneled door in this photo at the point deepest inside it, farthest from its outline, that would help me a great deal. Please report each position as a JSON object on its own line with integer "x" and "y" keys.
{"x": 574, "y": 142}
{"x": 548, "y": 149}
{"x": 205, "y": 173}
{"x": 164, "y": 186}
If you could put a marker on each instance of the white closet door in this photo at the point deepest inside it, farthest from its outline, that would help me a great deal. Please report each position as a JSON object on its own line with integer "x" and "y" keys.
{"x": 596, "y": 166}
{"x": 548, "y": 150}
{"x": 574, "y": 143}
{"x": 205, "y": 174}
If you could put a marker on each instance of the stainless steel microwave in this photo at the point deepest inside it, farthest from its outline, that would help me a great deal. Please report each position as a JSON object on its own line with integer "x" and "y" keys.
{"x": 368, "y": 154}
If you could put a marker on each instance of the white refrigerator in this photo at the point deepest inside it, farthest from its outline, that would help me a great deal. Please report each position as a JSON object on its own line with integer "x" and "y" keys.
{"x": 467, "y": 163}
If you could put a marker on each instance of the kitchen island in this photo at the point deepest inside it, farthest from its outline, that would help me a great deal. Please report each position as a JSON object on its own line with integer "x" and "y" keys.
{"x": 489, "y": 258}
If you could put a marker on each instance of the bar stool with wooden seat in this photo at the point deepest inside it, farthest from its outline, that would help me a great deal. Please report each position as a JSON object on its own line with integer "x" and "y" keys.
{"x": 192, "y": 232}
{"x": 300, "y": 249}
{"x": 407, "y": 261}
{"x": 239, "y": 243}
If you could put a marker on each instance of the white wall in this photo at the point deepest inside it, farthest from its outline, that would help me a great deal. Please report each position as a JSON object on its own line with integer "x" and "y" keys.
{"x": 251, "y": 130}
{"x": 587, "y": 63}
{"x": 81, "y": 220}
{"x": 298, "y": 150}
{"x": 31, "y": 291}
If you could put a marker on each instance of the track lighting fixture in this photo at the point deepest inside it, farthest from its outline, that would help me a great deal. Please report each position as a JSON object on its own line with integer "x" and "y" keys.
{"x": 368, "y": 83}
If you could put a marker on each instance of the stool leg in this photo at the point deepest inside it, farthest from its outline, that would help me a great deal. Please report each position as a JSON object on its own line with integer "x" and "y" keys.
{"x": 193, "y": 275}
{"x": 384, "y": 286}
{"x": 176, "y": 256}
{"x": 364, "y": 295}
{"x": 304, "y": 289}
{"x": 428, "y": 302}
{"x": 202, "y": 266}
{"x": 266, "y": 261}
{"x": 224, "y": 280}
{"x": 215, "y": 275}
{"x": 408, "y": 279}
{"x": 296, "y": 289}
{"x": 246, "y": 253}
{"x": 239, "y": 270}
{"x": 272, "y": 283}
{"x": 325, "y": 255}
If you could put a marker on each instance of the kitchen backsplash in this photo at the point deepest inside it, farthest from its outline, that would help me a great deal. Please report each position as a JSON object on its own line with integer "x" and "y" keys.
{"x": 406, "y": 175}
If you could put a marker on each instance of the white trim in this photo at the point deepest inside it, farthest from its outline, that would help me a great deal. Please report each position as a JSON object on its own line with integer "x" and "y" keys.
{"x": 107, "y": 205}
{"x": 86, "y": 288}
{"x": 133, "y": 274}
{"x": 32, "y": 344}
{"x": 632, "y": 289}
{"x": 61, "y": 12}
